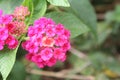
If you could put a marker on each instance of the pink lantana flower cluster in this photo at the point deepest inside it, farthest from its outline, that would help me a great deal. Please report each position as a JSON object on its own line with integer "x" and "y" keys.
{"x": 48, "y": 42}
{"x": 21, "y": 12}
{"x": 11, "y": 27}
{"x": 6, "y": 38}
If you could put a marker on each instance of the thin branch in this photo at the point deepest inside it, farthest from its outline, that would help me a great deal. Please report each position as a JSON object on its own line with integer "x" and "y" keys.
{"x": 77, "y": 70}
{"x": 59, "y": 75}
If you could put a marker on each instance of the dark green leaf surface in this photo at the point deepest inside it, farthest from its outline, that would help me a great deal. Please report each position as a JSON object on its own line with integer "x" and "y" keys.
{"x": 18, "y": 72}
{"x": 7, "y": 60}
{"x": 85, "y": 12}
{"x": 40, "y": 7}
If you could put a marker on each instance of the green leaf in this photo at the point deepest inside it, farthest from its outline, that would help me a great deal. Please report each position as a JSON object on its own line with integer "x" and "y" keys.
{"x": 7, "y": 60}
{"x": 109, "y": 17}
{"x": 70, "y": 21}
{"x": 40, "y": 7}
{"x": 113, "y": 64}
{"x": 98, "y": 60}
{"x": 103, "y": 32}
{"x": 117, "y": 13}
{"x": 76, "y": 61}
{"x": 84, "y": 10}
{"x": 112, "y": 16}
{"x": 18, "y": 68}
{"x": 29, "y": 4}
{"x": 63, "y": 3}
{"x": 9, "y": 5}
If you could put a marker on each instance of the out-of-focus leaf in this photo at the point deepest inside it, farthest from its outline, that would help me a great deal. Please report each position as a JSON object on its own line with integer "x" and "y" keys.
{"x": 76, "y": 62}
{"x": 98, "y": 60}
{"x": 18, "y": 72}
{"x": 88, "y": 71}
{"x": 64, "y": 3}
{"x": 105, "y": 63}
{"x": 103, "y": 32}
{"x": 7, "y": 60}
{"x": 40, "y": 7}
{"x": 84, "y": 65}
{"x": 113, "y": 15}
{"x": 109, "y": 17}
{"x": 84, "y": 10}
{"x": 9, "y": 5}
{"x": 110, "y": 73}
{"x": 101, "y": 76}
{"x": 70, "y": 21}
{"x": 112, "y": 68}
{"x": 117, "y": 13}
{"x": 84, "y": 42}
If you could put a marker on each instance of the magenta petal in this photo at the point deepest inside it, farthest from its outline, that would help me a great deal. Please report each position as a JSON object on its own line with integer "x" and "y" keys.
{"x": 46, "y": 54}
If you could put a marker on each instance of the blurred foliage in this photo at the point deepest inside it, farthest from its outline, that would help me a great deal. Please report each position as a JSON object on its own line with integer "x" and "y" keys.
{"x": 104, "y": 54}
{"x": 9, "y": 5}
{"x": 103, "y": 51}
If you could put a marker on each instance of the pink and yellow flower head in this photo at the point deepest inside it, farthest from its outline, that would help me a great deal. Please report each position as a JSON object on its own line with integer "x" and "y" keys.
{"x": 48, "y": 42}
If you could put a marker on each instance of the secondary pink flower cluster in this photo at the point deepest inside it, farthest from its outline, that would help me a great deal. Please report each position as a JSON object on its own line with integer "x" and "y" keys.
{"x": 19, "y": 15}
{"x": 47, "y": 43}
{"x": 12, "y": 27}
{"x": 6, "y": 38}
